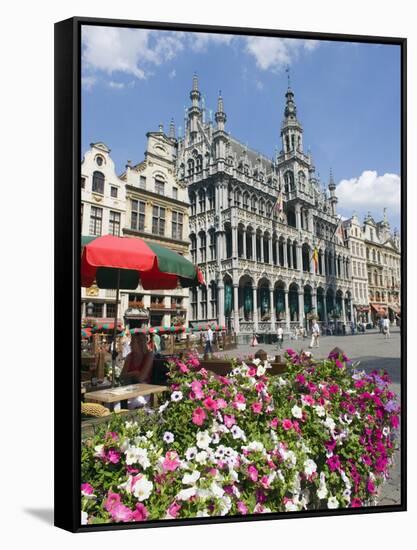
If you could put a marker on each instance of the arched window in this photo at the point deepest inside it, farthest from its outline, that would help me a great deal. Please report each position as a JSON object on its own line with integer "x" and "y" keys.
{"x": 211, "y": 198}
{"x": 193, "y": 248}
{"x": 301, "y": 180}
{"x": 246, "y": 201}
{"x": 98, "y": 182}
{"x": 193, "y": 203}
{"x": 237, "y": 197}
{"x": 262, "y": 207}
{"x": 289, "y": 181}
{"x": 199, "y": 164}
{"x": 190, "y": 165}
{"x": 254, "y": 203}
{"x": 202, "y": 200}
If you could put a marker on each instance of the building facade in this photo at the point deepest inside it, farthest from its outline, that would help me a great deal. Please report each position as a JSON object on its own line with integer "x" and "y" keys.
{"x": 144, "y": 201}
{"x": 383, "y": 257}
{"x": 355, "y": 238}
{"x": 254, "y": 224}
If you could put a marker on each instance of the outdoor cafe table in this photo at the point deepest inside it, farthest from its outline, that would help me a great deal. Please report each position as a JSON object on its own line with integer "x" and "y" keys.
{"x": 113, "y": 396}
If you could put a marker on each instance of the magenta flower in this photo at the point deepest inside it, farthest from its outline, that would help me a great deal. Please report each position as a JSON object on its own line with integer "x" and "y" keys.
{"x": 300, "y": 378}
{"x": 183, "y": 368}
{"x": 221, "y": 403}
{"x": 334, "y": 463}
{"x": 210, "y": 404}
{"x": 287, "y": 424}
{"x": 171, "y": 462}
{"x": 121, "y": 513}
{"x": 366, "y": 460}
{"x": 199, "y": 415}
{"x": 111, "y": 435}
{"x": 371, "y": 487}
{"x": 291, "y": 352}
{"x": 197, "y": 388}
{"x": 355, "y": 503}
{"x": 242, "y": 508}
{"x": 174, "y": 509}
{"x": 339, "y": 364}
{"x": 112, "y": 500}
{"x": 86, "y": 489}
{"x": 113, "y": 456}
{"x": 140, "y": 513}
{"x": 257, "y": 407}
{"x": 274, "y": 423}
{"x": 395, "y": 421}
{"x": 253, "y": 473}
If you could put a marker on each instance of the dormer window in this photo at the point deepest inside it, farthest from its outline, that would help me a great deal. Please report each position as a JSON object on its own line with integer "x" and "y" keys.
{"x": 99, "y": 160}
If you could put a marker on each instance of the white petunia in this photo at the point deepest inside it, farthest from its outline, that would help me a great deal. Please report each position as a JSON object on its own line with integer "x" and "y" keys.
{"x": 332, "y": 503}
{"x": 142, "y": 488}
{"x": 168, "y": 437}
{"x": 137, "y": 455}
{"x": 310, "y": 467}
{"x": 385, "y": 431}
{"x": 201, "y": 457}
{"x": 216, "y": 490}
{"x": 261, "y": 370}
{"x": 176, "y": 396}
{"x": 256, "y": 361}
{"x": 186, "y": 494}
{"x": 297, "y": 412}
{"x": 255, "y": 446}
{"x": 237, "y": 433}
{"x": 163, "y": 406}
{"x": 329, "y": 423}
{"x": 190, "y": 479}
{"x": 281, "y": 381}
{"x": 84, "y": 518}
{"x": 225, "y": 504}
{"x": 320, "y": 410}
{"x": 190, "y": 453}
{"x": 203, "y": 439}
{"x": 202, "y": 513}
{"x": 290, "y": 506}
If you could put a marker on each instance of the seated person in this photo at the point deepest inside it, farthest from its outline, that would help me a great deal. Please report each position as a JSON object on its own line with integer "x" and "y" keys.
{"x": 137, "y": 367}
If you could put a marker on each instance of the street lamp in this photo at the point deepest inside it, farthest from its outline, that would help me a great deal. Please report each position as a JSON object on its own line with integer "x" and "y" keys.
{"x": 90, "y": 309}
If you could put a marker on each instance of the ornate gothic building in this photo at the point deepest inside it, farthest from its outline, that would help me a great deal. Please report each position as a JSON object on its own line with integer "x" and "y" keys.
{"x": 255, "y": 223}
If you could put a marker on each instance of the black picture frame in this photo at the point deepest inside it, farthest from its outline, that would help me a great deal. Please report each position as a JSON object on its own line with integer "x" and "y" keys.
{"x": 67, "y": 267}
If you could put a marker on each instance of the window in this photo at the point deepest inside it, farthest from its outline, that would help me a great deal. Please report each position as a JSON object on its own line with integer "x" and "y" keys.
{"x": 98, "y": 182}
{"x": 193, "y": 303}
{"x": 97, "y": 309}
{"x": 202, "y": 247}
{"x": 372, "y": 234}
{"x": 113, "y": 192}
{"x": 82, "y": 183}
{"x": 245, "y": 201}
{"x": 96, "y": 219}
{"x": 211, "y": 198}
{"x": 159, "y": 186}
{"x": 114, "y": 223}
{"x": 142, "y": 182}
{"x": 199, "y": 164}
{"x": 193, "y": 248}
{"x": 175, "y": 192}
{"x": 204, "y": 302}
{"x": 202, "y": 200}
{"x": 111, "y": 310}
{"x": 212, "y": 245}
{"x": 193, "y": 204}
{"x": 177, "y": 220}
{"x": 137, "y": 221}
{"x": 158, "y": 220}
{"x": 190, "y": 169}
{"x": 99, "y": 160}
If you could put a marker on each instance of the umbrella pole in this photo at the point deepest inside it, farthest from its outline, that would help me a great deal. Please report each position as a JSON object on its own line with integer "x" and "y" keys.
{"x": 114, "y": 352}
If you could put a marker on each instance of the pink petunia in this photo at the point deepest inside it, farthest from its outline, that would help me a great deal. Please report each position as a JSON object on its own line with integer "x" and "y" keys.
{"x": 199, "y": 415}
{"x": 182, "y": 367}
{"x": 229, "y": 420}
{"x": 253, "y": 473}
{"x": 171, "y": 462}
{"x": 113, "y": 456}
{"x": 120, "y": 512}
{"x": 257, "y": 407}
{"x": 112, "y": 500}
{"x": 197, "y": 388}
{"x": 140, "y": 513}
{"x": 87, "y": 489}
{"x": 221, "y": 403}
{"x": 274, "y": 423}
{"x": 210, "y": 404}
{"x": 174, "y": 509}
{"x": 371, "y": 487}
{"x": 355, "y": 503}
{"x": 242, "y": 508}
{"x": 287, "y": 424}
{"x": 334, "y": 463}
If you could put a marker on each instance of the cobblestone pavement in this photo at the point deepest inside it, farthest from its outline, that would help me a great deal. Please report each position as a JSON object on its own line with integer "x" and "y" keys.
{"x": 374, "y": 352}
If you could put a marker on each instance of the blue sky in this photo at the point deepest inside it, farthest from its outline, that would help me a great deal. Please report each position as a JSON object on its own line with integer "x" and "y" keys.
{"x": 347, "y": 96}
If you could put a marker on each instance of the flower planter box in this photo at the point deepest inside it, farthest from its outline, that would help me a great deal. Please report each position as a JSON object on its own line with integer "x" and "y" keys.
{"x": 223, "y": 367}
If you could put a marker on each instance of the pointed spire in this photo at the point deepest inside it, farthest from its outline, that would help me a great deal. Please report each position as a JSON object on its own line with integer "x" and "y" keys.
{"x": 332, "y": 185}
{"x": 172, "y": 129}
{"x": 220, "y": 115}
{"x": 195, "y": 82}
{"x": 161, "y": 128}
{"x": 195, "y": 94}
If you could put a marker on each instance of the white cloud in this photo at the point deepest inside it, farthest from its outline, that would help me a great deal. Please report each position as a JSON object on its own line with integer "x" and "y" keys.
{"x": 131, "y": 51}
{"x": 275, "y": 53}
{"x": 172, "y": 74}
{"x": 116, "y": 85}
{"x": 370, "y": 192}
{"x": 200, "y": 41}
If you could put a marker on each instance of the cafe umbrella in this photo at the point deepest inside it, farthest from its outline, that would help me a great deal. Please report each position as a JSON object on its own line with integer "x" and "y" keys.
{"x": 123, "y": 262}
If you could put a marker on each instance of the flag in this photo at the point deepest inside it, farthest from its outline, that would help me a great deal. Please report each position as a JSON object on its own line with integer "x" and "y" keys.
{"x": 279, "y": 205}
{"x": 316, "y": 259}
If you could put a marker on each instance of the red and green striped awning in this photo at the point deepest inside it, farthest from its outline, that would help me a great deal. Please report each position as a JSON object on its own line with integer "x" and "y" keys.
{"x": 134, "y": 260}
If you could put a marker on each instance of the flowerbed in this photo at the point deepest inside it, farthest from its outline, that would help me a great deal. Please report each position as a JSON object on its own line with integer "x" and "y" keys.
{"x": 322, "y": 437}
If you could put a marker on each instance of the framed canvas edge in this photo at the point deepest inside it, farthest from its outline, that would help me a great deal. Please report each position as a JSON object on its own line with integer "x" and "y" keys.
{"x": 67, "y": 139}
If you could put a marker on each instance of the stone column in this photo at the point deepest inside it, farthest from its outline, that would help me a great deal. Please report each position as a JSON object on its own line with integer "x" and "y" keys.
{"x": 254, "y": 246}
{"x": 234, "y": 242}
{"x": 299, "y": 259}
{"x": 325, "y": 308}
{"x": 262, "y": 248}
{"x": 255, "y": 308}
{"x": 220, "y": 308}
{"x": 272, "y": 309}
{"x": 314, "y": 301}
{"x": 343, "y": 309}
{"x": 285, "y": 250}
{"x": 244, "y": 243}
{"x": 271, "y": 259}
{"x": 351, "y": 308}
{"x": 236, "y": 307}
{"x": 298, "y": 216}
{"x": 287, "y": 310}
{"x": 312, "y": 265}
{"x": 199, "y": 312}
{"x": 301, "y": 307}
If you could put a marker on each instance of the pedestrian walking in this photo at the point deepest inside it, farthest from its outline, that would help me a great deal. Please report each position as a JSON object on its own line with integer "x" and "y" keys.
{"x": 280, "y": 335}
{"x": 315, "y": 335}
{"x": 209, "y": 342}
{"x": 385, "y": 328}
{"x": 254, "y": 340}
